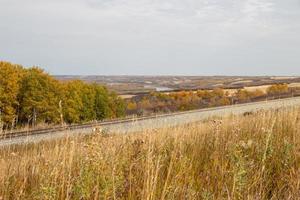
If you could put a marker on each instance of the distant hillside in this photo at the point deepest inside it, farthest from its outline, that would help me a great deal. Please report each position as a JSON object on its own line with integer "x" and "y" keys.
{"x": 138, "y": 84}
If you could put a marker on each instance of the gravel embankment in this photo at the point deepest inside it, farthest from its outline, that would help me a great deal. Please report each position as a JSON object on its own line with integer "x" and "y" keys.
{"x": 162, "y": 121}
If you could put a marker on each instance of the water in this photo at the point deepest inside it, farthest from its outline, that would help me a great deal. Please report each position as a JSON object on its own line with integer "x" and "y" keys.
{"x": 158, "y": 88}
{"x": 162, "y": 89}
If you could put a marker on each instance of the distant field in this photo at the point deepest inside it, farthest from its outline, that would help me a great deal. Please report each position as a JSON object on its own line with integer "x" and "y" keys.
{"x": 261, "y": 87}
{"x": 251, "y": 157}
{"x": 294, "y": 85}
{"x": 141, "y": 84}
{"x": 264, "y": 88}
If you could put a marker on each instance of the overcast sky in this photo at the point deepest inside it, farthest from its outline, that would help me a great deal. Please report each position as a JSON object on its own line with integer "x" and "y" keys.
{"x": 153, "y": 37}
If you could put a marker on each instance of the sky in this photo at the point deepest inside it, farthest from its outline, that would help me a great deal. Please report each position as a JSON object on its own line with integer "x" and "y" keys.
{"x": 152, "y": 37}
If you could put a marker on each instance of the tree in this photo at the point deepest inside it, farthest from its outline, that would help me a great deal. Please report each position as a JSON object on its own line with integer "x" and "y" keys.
{"x": 88, "y": 100}
{"x": 101, "y": 102}
{"x": 218, "y": 92}
{"x": 131, "y": 105}
{"x": 10, "y": 76}
{"x": 257, "y": 93}
{"x": 72, "y": 101}
{"x": 1, "y": 94}
{"x": 224, "y": 101}
{"x": 117, "y": 105}
{"x": 278, "y": 89}
{"x": 242, "y": 95}
{"x": 1, "y": 122}
{"x": 33, "y": 96}
{"x": 38, "y": 97}
{"x": 144, "y": 103}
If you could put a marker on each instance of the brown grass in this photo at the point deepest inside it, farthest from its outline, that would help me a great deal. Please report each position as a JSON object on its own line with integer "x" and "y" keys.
{"x": 251, "y": 157}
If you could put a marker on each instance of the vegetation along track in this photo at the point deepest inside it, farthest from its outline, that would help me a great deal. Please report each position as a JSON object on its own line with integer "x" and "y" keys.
{"x": 143, "y": 123}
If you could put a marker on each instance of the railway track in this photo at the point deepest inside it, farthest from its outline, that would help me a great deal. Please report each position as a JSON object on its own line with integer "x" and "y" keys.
{"x": 15, "y": 134}
{"x": 88, "y": 127}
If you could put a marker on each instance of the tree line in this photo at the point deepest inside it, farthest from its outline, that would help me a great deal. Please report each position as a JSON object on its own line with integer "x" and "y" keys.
{"x": 157, "y": 102}
{"x": 31, "y": 96}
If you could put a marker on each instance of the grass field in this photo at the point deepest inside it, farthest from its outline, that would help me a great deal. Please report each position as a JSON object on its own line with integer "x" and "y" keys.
{"x": 239, "y": 157}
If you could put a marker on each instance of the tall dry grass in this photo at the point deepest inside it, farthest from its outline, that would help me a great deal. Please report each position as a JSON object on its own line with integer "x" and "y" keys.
{"x": 251, "y": 157}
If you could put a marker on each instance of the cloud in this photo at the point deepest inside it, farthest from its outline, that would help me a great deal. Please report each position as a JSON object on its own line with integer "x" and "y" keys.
{"x": 253, "y": 9}
{"x": 126, "y": 36}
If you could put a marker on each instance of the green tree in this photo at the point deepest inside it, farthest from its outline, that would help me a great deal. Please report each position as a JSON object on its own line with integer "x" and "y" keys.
{"x": 102, "y": 108}
{"x": 88, "y": 100}
{"x": 117, "y": 105}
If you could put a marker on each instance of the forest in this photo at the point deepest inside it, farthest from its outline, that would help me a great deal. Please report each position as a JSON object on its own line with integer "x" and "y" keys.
{"x": 30, "y": 96}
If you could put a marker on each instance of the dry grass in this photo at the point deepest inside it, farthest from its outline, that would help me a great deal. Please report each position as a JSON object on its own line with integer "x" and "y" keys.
{"x": 295, "y": 85}
{"x": 251, "y": 157}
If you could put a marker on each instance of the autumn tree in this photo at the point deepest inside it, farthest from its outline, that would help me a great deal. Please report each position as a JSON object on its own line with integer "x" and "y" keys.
{"x": 10, "y": 76}
{"x": 278, "y": 89}
{"x": 257, "y": 93}
{"x": 72, "y": 102}
{"x": 242, "y": 95}
{"x": 31, "y": 96}
{"x": 86, "y": 102}
{"x": 131, "y": 105}
{"x": 218, "y": 92}
{"x": 38, "y": 97}
{"x": 1, "y": 94}
{"x": 1, "y": 122}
